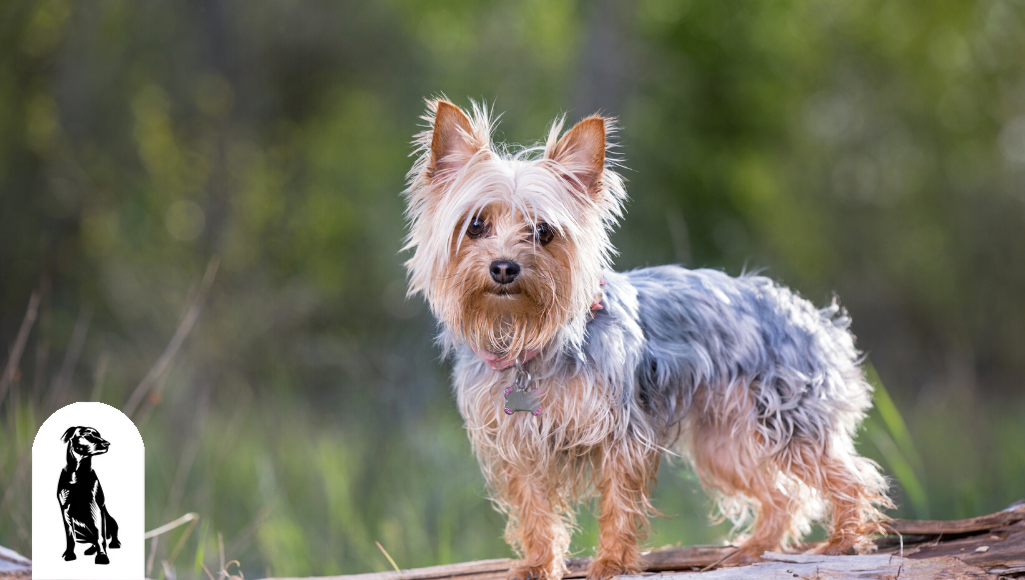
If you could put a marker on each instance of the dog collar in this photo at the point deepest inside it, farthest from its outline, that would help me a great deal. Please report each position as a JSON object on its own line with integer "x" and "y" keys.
{"x": 596, "y": 301}
{"x": 500, "y": 363}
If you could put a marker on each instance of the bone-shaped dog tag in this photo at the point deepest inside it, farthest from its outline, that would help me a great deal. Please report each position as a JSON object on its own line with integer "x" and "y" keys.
{"x": 529, "y": 401}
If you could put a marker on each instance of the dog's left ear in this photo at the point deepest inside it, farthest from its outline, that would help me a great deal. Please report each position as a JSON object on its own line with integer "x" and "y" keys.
{"x": 581, "y": 152}
{"x": 69, "y": 433}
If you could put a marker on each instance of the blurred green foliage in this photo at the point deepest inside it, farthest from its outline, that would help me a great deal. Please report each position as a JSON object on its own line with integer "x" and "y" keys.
{"x": 874, "y": 149}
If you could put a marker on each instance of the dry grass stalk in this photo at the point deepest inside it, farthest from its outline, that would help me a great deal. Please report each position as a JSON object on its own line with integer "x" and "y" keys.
{"x": 11, "y": 369}
{"x": 184, "y": 328}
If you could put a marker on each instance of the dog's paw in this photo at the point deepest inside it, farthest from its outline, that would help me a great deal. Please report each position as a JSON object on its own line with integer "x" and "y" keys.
{"x": 844, "y": 546}
{"x": 604, "y": 568}
{"x": 114, "y": 544}
{"x": 102, "y": 559}
{"x": 69, "y": 555}
{"x": 91, "y": 550}
{"x": 523, "y": 572}
{"x": 839, "y": 550}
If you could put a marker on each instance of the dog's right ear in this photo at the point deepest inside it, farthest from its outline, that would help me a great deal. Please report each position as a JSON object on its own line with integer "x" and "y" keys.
{"x": 69, "y": 433}
{"x": 453, "y": 143}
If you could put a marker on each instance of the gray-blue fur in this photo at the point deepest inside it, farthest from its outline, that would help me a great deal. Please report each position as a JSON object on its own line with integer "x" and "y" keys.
{"x": 666, "y": 331}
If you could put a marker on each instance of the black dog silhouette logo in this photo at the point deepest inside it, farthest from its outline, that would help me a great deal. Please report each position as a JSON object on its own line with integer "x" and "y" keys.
{"x": 83, "y": 506}
{"x": 88, "y": 496}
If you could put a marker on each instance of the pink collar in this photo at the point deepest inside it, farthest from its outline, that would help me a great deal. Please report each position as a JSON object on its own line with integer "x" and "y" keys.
{"x": 500, "y": 363}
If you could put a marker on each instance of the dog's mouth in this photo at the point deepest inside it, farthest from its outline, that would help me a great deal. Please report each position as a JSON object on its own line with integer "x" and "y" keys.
{"x": 506, "y": 290}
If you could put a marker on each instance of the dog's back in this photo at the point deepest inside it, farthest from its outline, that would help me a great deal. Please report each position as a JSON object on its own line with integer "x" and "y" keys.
{"x": 703, "y": 328}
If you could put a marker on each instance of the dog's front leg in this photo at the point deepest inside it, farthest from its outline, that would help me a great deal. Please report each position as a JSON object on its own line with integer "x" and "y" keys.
{"x": 535, "y": 526}
{"x": 627, "y": 475}
{"x": 69, "y": 532}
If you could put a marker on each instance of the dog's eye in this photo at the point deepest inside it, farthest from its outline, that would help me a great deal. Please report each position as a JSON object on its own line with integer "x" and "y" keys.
{"x": 478, "y": 227}
{"x": 544, "y": 233}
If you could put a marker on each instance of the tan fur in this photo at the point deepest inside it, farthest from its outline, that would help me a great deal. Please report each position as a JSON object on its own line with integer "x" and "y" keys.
{"x": 625, "y": 486}
{"x": 541, "y": 467}
{"x": 784, "y": 487}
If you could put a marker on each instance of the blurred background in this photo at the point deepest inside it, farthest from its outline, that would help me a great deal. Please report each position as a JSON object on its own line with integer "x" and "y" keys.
{"x": 200, "y": 224}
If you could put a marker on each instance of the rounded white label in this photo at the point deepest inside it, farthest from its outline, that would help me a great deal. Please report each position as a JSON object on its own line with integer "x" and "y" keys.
{"x": 88, "y": 490}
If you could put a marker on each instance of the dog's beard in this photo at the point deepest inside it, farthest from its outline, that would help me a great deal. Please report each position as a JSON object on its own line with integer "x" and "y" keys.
{"x": 509, "y": 322}
{"x": 507, "y": 325}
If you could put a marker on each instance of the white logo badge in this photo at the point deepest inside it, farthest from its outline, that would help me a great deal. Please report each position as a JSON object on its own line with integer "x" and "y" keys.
{"x": 88, "y": 484}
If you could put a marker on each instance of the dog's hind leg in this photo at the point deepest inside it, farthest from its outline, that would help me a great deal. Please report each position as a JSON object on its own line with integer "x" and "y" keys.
{"x": 728, "y": 456}
{"x": 742, "y": 482}
{"x": 851, "y": 485}
{"x": 111, "y": 530}
{"x": 628, "y": 472}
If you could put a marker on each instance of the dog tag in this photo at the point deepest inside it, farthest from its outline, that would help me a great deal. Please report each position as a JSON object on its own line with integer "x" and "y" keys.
{"x": 529, "y": 401}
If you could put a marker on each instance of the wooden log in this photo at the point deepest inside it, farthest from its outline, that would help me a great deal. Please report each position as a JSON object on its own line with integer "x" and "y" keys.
{"x": 879, "y": 566}
{"x": 686, "y": 557}
{"x": 463, "y": 571}
{"x": 14, "y": 565}
{"x": 1002, "y": 553}
{"x": 977, "y": 548}
{"x": 955, "y": 560}
{"x": 668, "y": 559}
{"x": 1007, "y": 517}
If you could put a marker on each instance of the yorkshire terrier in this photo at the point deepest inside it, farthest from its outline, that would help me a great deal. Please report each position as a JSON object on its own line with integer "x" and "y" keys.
{"x": 573, "y": 379}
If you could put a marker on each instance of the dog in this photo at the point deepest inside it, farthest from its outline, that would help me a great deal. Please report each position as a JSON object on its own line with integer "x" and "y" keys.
{"x": 758, "y": 389}
{"x": 83, "y": 507}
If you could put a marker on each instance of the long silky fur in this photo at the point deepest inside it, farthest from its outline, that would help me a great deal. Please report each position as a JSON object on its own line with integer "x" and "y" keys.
{"x": 761, "y": 391}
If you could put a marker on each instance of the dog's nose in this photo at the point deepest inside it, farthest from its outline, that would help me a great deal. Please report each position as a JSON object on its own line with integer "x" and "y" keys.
{"x": 504, "y": 271}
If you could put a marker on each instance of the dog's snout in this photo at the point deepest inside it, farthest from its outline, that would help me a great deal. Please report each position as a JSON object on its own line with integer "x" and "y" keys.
{"x": 504, "y": 271}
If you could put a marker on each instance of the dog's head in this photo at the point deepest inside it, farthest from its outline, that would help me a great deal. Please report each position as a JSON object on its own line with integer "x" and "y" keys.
{"x": 85, "y": 441}
{"x": 509, "y": 247}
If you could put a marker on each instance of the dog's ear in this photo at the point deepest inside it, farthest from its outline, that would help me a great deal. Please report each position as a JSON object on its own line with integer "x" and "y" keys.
{"x": 581, "y": 152}
{"x": 454, "y": 141}
{"x": 69, "y": 433}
